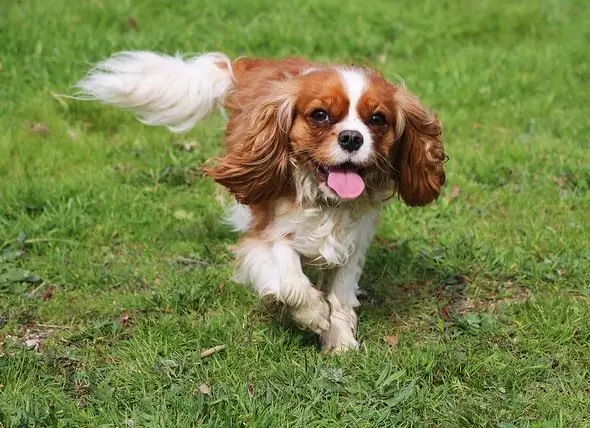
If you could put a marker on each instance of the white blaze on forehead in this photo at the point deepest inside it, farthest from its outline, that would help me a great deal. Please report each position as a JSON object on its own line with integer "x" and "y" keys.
{"x": 355, "y": 83}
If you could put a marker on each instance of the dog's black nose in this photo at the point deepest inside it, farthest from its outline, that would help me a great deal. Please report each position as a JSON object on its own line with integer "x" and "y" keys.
{"x": 350, "y": 140}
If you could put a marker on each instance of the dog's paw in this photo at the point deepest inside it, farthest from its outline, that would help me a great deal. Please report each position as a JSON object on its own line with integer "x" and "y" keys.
{"x": 341, "y": 335}
{"x": 313, "y": 314}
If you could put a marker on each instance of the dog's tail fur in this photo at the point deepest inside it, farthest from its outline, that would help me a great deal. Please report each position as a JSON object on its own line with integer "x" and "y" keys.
{"x": 160, "y": 89}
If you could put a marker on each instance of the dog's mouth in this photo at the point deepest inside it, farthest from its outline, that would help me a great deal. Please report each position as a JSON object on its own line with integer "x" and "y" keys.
{"x": 346, "y": 180}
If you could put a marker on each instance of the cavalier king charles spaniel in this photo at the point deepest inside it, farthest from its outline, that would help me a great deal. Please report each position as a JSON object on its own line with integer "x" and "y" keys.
{"x": 312, "y": 152}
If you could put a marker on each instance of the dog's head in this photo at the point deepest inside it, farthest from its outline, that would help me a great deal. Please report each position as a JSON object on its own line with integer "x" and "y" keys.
{"x": 351, "y": 132}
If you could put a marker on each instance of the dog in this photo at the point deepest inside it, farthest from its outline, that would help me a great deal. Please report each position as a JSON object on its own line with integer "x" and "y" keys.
{"x": 313, "y": 151}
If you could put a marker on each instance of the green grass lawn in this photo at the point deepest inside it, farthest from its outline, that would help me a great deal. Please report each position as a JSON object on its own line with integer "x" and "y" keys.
{"x": 115, "y": 269}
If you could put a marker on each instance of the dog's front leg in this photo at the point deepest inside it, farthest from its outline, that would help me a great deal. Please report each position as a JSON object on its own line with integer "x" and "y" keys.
{"x": 274, "y": 270}
{"x": 343, "y": 292}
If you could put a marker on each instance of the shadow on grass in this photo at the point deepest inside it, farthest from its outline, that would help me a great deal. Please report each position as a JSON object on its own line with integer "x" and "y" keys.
{"x": 401, "y": 278}
{"x": 401, "y": 281}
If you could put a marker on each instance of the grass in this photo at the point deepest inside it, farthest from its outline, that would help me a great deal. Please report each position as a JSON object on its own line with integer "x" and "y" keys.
{"x": 115, "y": 269}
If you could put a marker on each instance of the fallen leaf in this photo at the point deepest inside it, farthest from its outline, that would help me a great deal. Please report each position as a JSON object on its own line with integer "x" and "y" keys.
{"x": 32, "y": 343}
{"x": 132, "y": 23}
{"x": 392, "y": 340}
{"x": 38, "y": 128}
{"x": 250, "y": 389}
{"x": 205, "y": 389}
{"x": 387, "y": 244}
{"x": 208, "y": 352}
{"x": 454, "y": 194}
{"x": 124, "y": 319}
{"x": 47, "y": 293}
{"x": 445, "y": 312}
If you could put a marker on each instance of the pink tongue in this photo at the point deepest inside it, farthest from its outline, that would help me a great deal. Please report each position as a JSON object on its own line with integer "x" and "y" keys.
{"x": 346, "y": 183}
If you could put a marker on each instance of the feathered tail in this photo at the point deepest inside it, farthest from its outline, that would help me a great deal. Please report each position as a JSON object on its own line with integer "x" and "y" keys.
{"x": 160, "y": 89}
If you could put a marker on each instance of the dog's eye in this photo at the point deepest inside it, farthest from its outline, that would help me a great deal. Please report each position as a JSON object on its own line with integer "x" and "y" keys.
{"x": 377, "y": 119}
{"x": 320, "y": 116}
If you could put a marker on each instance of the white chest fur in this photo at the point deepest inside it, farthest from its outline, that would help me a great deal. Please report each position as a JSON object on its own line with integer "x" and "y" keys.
{"x": 325, "y": 235}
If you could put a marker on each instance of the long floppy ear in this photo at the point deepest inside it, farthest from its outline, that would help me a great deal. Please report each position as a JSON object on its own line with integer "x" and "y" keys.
{"x": 256, "y": 168}
{"x": 418, "y": 154}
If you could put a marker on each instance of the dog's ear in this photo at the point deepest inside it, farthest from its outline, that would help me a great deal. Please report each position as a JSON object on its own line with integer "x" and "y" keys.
{"x": 418, "y": 153}
{"x": 256, "y": 167}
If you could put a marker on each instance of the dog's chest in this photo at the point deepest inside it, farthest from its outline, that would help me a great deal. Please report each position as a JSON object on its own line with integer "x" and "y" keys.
{"x": 324, "y": 236}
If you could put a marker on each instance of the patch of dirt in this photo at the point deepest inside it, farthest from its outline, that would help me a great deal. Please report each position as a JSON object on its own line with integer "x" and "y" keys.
{"x": 452, "y": 299}
{"x": 492, "y": 303}
{"x": 29, "y": 332}
{"x": 457, "y": 301}
{"x": 33, "y": 336}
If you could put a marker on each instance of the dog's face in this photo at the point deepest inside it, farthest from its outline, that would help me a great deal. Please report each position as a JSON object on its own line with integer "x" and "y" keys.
{"x": 343, "y": 131}
{"x": 352, "y": 131}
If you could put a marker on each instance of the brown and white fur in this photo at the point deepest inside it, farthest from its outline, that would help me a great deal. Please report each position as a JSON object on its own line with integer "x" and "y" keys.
{"x": 312, "y": 152}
